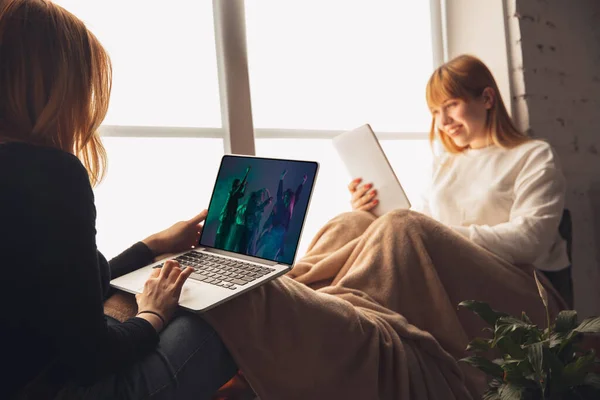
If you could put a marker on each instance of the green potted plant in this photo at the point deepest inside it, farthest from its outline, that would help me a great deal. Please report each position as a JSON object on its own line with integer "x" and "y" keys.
{"x": 524, "y": 361}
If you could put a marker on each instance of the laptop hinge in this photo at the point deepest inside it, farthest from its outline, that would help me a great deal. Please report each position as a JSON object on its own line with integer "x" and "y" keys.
{"x": 239, "y": 256}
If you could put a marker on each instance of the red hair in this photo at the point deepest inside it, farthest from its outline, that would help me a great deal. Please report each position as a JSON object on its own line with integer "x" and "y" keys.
{"x": 55, "y": 81}
{"x": 466, "y": 77}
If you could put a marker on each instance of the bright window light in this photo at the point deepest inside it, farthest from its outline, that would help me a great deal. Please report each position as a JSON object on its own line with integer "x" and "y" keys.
{"x": 317, "y": 65}
{"x": 151, "y": 184}
{"x": 164, "y": 74}
{"x": 164, "y": 59}
{"x": 338, "y": 64}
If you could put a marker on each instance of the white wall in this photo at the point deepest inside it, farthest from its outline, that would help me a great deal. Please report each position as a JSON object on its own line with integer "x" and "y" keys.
{"x": 557, "y": 62}
{"x": 546, "y": 55}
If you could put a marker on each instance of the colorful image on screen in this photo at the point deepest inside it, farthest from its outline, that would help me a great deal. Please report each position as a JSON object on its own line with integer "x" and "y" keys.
{"x": 258, "y": 207}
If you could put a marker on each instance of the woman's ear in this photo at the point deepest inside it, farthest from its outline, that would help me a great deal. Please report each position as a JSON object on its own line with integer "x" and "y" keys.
{"x": 489, "y": 97}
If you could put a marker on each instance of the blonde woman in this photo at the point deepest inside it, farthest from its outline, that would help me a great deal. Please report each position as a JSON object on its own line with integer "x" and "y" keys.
{"x": 493, "y": 185}
{"x": 55, "y": 81}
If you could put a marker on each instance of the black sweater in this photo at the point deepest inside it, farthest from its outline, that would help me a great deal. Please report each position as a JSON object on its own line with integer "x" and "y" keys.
{"x": 54, "y": 280}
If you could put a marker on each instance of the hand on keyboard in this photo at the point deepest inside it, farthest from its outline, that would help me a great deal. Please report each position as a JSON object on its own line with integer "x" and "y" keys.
{"x": 162, "y": 290}
{"x": 221, "y": 271}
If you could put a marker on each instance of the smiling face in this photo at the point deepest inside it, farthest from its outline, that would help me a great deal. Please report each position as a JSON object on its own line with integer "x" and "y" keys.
{"x": 465, "y": 121}
{"x": 467, "y": 109}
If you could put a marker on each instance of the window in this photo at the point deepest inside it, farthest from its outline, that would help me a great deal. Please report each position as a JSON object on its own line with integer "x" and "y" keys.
{"x": 164, "y": 77}
{"x": 315, "y": 68}
{"x": 337, "y": 64}
{"x": 164, "y": 62}
{"x": 320, "y": 66}
{"x": 151, "y": 184}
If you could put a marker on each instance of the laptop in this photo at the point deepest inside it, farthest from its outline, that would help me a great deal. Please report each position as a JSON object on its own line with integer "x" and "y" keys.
{"x": 363, "y": 157}
{"x": 251, "y": 234}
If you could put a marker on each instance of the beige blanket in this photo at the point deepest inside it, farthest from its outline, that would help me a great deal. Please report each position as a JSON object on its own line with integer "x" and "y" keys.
{"x": 370, "y": 312}
{"x": 383, "y": 320}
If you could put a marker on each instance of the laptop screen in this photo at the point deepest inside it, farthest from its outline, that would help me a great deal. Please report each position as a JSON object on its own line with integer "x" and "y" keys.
{"x": 258, "y": 207}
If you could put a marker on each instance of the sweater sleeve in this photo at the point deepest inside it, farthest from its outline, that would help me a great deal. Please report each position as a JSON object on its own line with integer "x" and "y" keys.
{"x": 539, "y": 196}
{"x": 135, "y": 257}
{"x": 72, "y": 315}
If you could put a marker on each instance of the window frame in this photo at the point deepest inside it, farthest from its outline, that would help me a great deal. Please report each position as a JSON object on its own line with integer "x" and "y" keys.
{"x": 237, "y": 129}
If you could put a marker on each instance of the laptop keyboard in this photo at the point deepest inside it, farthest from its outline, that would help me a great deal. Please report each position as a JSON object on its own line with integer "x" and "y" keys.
{"x": 220, "y": 271}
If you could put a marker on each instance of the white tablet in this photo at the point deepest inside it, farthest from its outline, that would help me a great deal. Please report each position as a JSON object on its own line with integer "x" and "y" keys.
{"x": 364, "y": 158}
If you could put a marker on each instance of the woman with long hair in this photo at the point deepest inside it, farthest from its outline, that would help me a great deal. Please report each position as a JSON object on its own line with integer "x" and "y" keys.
{"x": 55, "y": 82}
{"x": 493, "y": 184}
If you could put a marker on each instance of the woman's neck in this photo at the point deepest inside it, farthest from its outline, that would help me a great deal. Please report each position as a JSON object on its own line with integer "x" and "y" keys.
{"x": 481, "y": 142}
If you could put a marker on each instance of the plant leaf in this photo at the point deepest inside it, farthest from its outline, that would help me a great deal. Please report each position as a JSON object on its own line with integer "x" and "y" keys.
{"x": 485, "y": 312}
{"x": 535, "y": 354}
{"x": 532, "y": 336}
{"x": 500, "y": 333}
{"x": 510, "y": 325}
{"x": 589, "y": 325}
{"x": 518, "y": 374}
{"x": 553, "y": 363}
{"x": 525, "y": 318}
{"x": 520, "y": 332}
{"x": 575, "y": 372}
{"x": 514, "y": 322}
{"x": 555, "y": 339}
{"x": 568, "y": 343}
{"x": 485, "y": 365}
{"x": 491, "y": 395}
{"x": 541, "y": 290}
{"x": 508, "y": 346}
{"x": 479, "y": 345}
{"x": 510, "y": 392}
{"x": 495, "y": 383}
{"x": 592, "y": 380}
{"x": 565, "y": 321}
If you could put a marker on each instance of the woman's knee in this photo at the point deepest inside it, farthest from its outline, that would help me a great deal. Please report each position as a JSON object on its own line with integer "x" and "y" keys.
{"x": 188, "y": 334}
{"x": 185, "y": 334}
{"x": 350, "y": 223}
{"x": 355, "y": 216}
{"x": 405, "y": 220}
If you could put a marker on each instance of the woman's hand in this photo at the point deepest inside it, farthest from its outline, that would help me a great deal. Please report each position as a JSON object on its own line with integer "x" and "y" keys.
{"x": 180, "y": 237}
{"x": 364, "y": 198}
{"x": 161, "y": 293}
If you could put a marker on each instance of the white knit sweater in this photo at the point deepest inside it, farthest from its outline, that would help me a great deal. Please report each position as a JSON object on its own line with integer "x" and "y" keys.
{"x": 508, "y": 201}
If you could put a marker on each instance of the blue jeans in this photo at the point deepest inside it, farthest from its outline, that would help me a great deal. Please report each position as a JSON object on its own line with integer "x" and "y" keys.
{"x": 190, "y": 362}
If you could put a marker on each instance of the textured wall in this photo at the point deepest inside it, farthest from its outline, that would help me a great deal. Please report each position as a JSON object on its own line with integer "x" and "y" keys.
{"x": 554, "y": 58}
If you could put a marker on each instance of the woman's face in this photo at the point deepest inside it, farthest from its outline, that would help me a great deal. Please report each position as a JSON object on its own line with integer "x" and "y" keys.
{"x": 464, "y": 121}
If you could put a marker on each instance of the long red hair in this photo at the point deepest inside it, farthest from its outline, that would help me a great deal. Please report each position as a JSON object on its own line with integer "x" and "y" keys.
{"x": 466, "y": 77}
{"x": 55, "y": 81}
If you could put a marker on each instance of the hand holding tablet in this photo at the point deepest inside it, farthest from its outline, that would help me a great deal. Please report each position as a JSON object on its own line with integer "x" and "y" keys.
{"x": 366, "y": 163}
